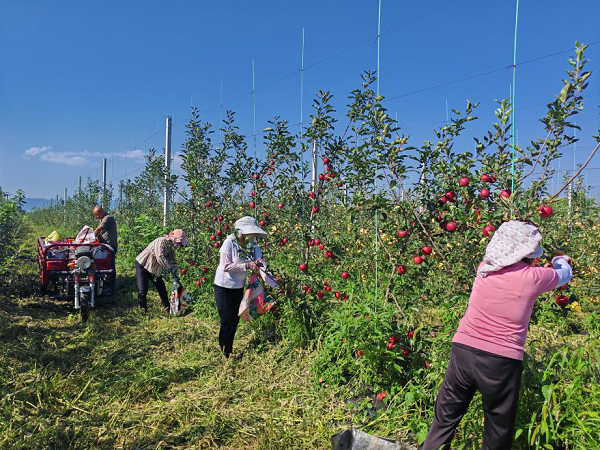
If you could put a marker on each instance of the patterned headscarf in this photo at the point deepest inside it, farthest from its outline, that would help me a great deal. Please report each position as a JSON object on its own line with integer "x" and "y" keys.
{"x": 512, "y": 242}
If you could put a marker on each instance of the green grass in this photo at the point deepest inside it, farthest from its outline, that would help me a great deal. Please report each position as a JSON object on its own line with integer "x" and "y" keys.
{"x": 129, "y": 380}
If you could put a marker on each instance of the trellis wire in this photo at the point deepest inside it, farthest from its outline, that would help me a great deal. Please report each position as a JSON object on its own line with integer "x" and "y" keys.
{"x": 513, "y": 100}
{"x": 376, "y": 167}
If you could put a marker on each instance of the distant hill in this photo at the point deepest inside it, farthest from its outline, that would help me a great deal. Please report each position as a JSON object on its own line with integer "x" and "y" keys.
{"x": 31, "y": 203}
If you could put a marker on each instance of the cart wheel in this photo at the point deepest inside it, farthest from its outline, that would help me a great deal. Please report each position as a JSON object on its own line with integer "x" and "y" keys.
{"x": 84, "y": 308}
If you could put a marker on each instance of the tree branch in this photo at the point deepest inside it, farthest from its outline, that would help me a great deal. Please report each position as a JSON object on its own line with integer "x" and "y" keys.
{"x": 576, "y": 173}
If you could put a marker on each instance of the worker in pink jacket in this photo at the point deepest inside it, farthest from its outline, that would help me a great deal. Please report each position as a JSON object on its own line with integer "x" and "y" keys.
{"x": 487, "y": 349}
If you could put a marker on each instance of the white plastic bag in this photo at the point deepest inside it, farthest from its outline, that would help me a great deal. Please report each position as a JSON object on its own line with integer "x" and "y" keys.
{"x": 85, "y": 236}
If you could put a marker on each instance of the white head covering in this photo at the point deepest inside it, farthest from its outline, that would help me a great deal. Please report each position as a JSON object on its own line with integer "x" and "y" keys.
{"x": 247, "y": 225}
{"x": 512, "y": 242}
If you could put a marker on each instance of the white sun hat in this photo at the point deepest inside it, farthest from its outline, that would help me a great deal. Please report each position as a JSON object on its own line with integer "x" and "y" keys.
{"x": 513, "y": 241}
{"x": 247, "y": 225}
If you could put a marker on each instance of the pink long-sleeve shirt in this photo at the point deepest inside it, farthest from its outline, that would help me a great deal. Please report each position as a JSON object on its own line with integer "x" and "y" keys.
{"x": 500, "y": 306}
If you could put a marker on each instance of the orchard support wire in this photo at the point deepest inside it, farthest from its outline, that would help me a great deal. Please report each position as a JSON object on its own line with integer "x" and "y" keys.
{"x": 301, "y": 136}
{"x": 513, "y": 101}
{"x": 376, "y": 210}
{"x": 167, "y": 192}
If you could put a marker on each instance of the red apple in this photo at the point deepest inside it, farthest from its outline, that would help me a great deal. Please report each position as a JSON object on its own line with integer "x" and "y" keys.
{"x": 311, "y": 194}
{"x": 183, "y": 271}
{"x": 427, "y": 365}
{"x": 303, "y": 267}
{"x": 443, "y": 200}
{"x": 203, "y": 279}
{"x": 198, "y": 283}
{"x": 426, "y": 250}
{"x": 328, "y": 254}
{"x": 328, "y": 288}
{"x": 488, "y": 229}
{"x": 345, "y": 275}
{"x": 485, "y": 193}
{"x": 315, "y": 209}
{"x": 464, "y": 181}
{"x": 326, "y": 161}
{"x": 562, "y": 300}
{"x": 221, "y": 218}
{"x": 208, "y": 204}
{"x": 505, "y": 193}
{"x": 262, "y": 223}
{"x": 192, "y": 263}
{"x": 219, "y": 232}
{"x": 252, "y": 205}
{"x": 485, "y": 177}
{"x": 226, "y": 227}
{"x": 252, "y": 194}
{"x": 405, "y": 351}
{"x": 320, "y": 295}
{"x": 280, "y": 205}
{"x": 191, "y": 187}
{"x": 317, "y": 242}
{"x": 401, "y": 269}
{"x": 255, "y": 176}
{"x": 418, "y": 260}
{"x": 285, "y": 240}
{"x": 338, "y": 294}
{"x": 410, "y": 334}
{"x": 450, "y": 196}
{"x": 451, "y": 226}
{"x": 205, "y": 269}
{"x": 321, "y": 177}
{"x": 390, "y": 345}
{"x": 381, "y": 396}
{"x": 545, "y": 211}
{"x": 216, "y": 245}
{"x": 213, "y": 237}
{"x": 402, "y": 233}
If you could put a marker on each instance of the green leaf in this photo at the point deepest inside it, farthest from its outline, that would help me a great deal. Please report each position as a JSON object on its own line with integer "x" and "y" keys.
{"x": 564, "y": 92}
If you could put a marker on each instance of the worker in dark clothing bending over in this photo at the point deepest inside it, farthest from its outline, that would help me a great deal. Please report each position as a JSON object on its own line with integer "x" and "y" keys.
{"x": 107, "y": 234}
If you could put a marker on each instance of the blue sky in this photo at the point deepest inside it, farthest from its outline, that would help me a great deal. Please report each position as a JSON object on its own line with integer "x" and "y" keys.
{"x": 83, "y": 80}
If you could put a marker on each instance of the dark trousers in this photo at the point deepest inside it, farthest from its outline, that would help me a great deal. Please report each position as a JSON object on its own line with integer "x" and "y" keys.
{"x": 142, "y": 276}
{"x": 228, "y": 304}
{"x": 496, "y": 377}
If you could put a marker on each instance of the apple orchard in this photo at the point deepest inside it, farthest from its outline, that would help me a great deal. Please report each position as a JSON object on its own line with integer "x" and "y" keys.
{"x": 374, "y": 269}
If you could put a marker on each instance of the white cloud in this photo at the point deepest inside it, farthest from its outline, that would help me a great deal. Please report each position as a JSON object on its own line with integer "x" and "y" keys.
{"x": 33, "y": 151}
{"x": 68, "y": 158}
{"x": 79, "y": 158}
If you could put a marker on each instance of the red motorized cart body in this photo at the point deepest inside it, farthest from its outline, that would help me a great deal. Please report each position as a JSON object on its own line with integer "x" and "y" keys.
{"x": 56, "y": 259}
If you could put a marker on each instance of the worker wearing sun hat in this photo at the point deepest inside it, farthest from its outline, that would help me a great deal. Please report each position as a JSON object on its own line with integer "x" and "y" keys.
{"x": 238, "y": 254}
{"x": 159, "y": 255}
{"x": 487, "y": 349}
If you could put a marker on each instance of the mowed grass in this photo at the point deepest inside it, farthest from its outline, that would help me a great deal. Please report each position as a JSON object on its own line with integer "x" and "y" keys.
{"x": 129, "y": 380}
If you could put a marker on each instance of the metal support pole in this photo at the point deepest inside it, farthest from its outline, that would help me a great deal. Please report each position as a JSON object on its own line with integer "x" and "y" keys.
{"x": 314, "y": 165}
{"x": 104, "y": 183}
{"x": 79, "y": 188}
{"x": 167, "y": 194}
{"x": 570, "y": 198}
{"x": 65, "y": 206}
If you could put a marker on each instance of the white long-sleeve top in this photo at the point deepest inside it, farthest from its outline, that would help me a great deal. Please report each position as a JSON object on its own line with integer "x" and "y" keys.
{"x": 231, "y": 272}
